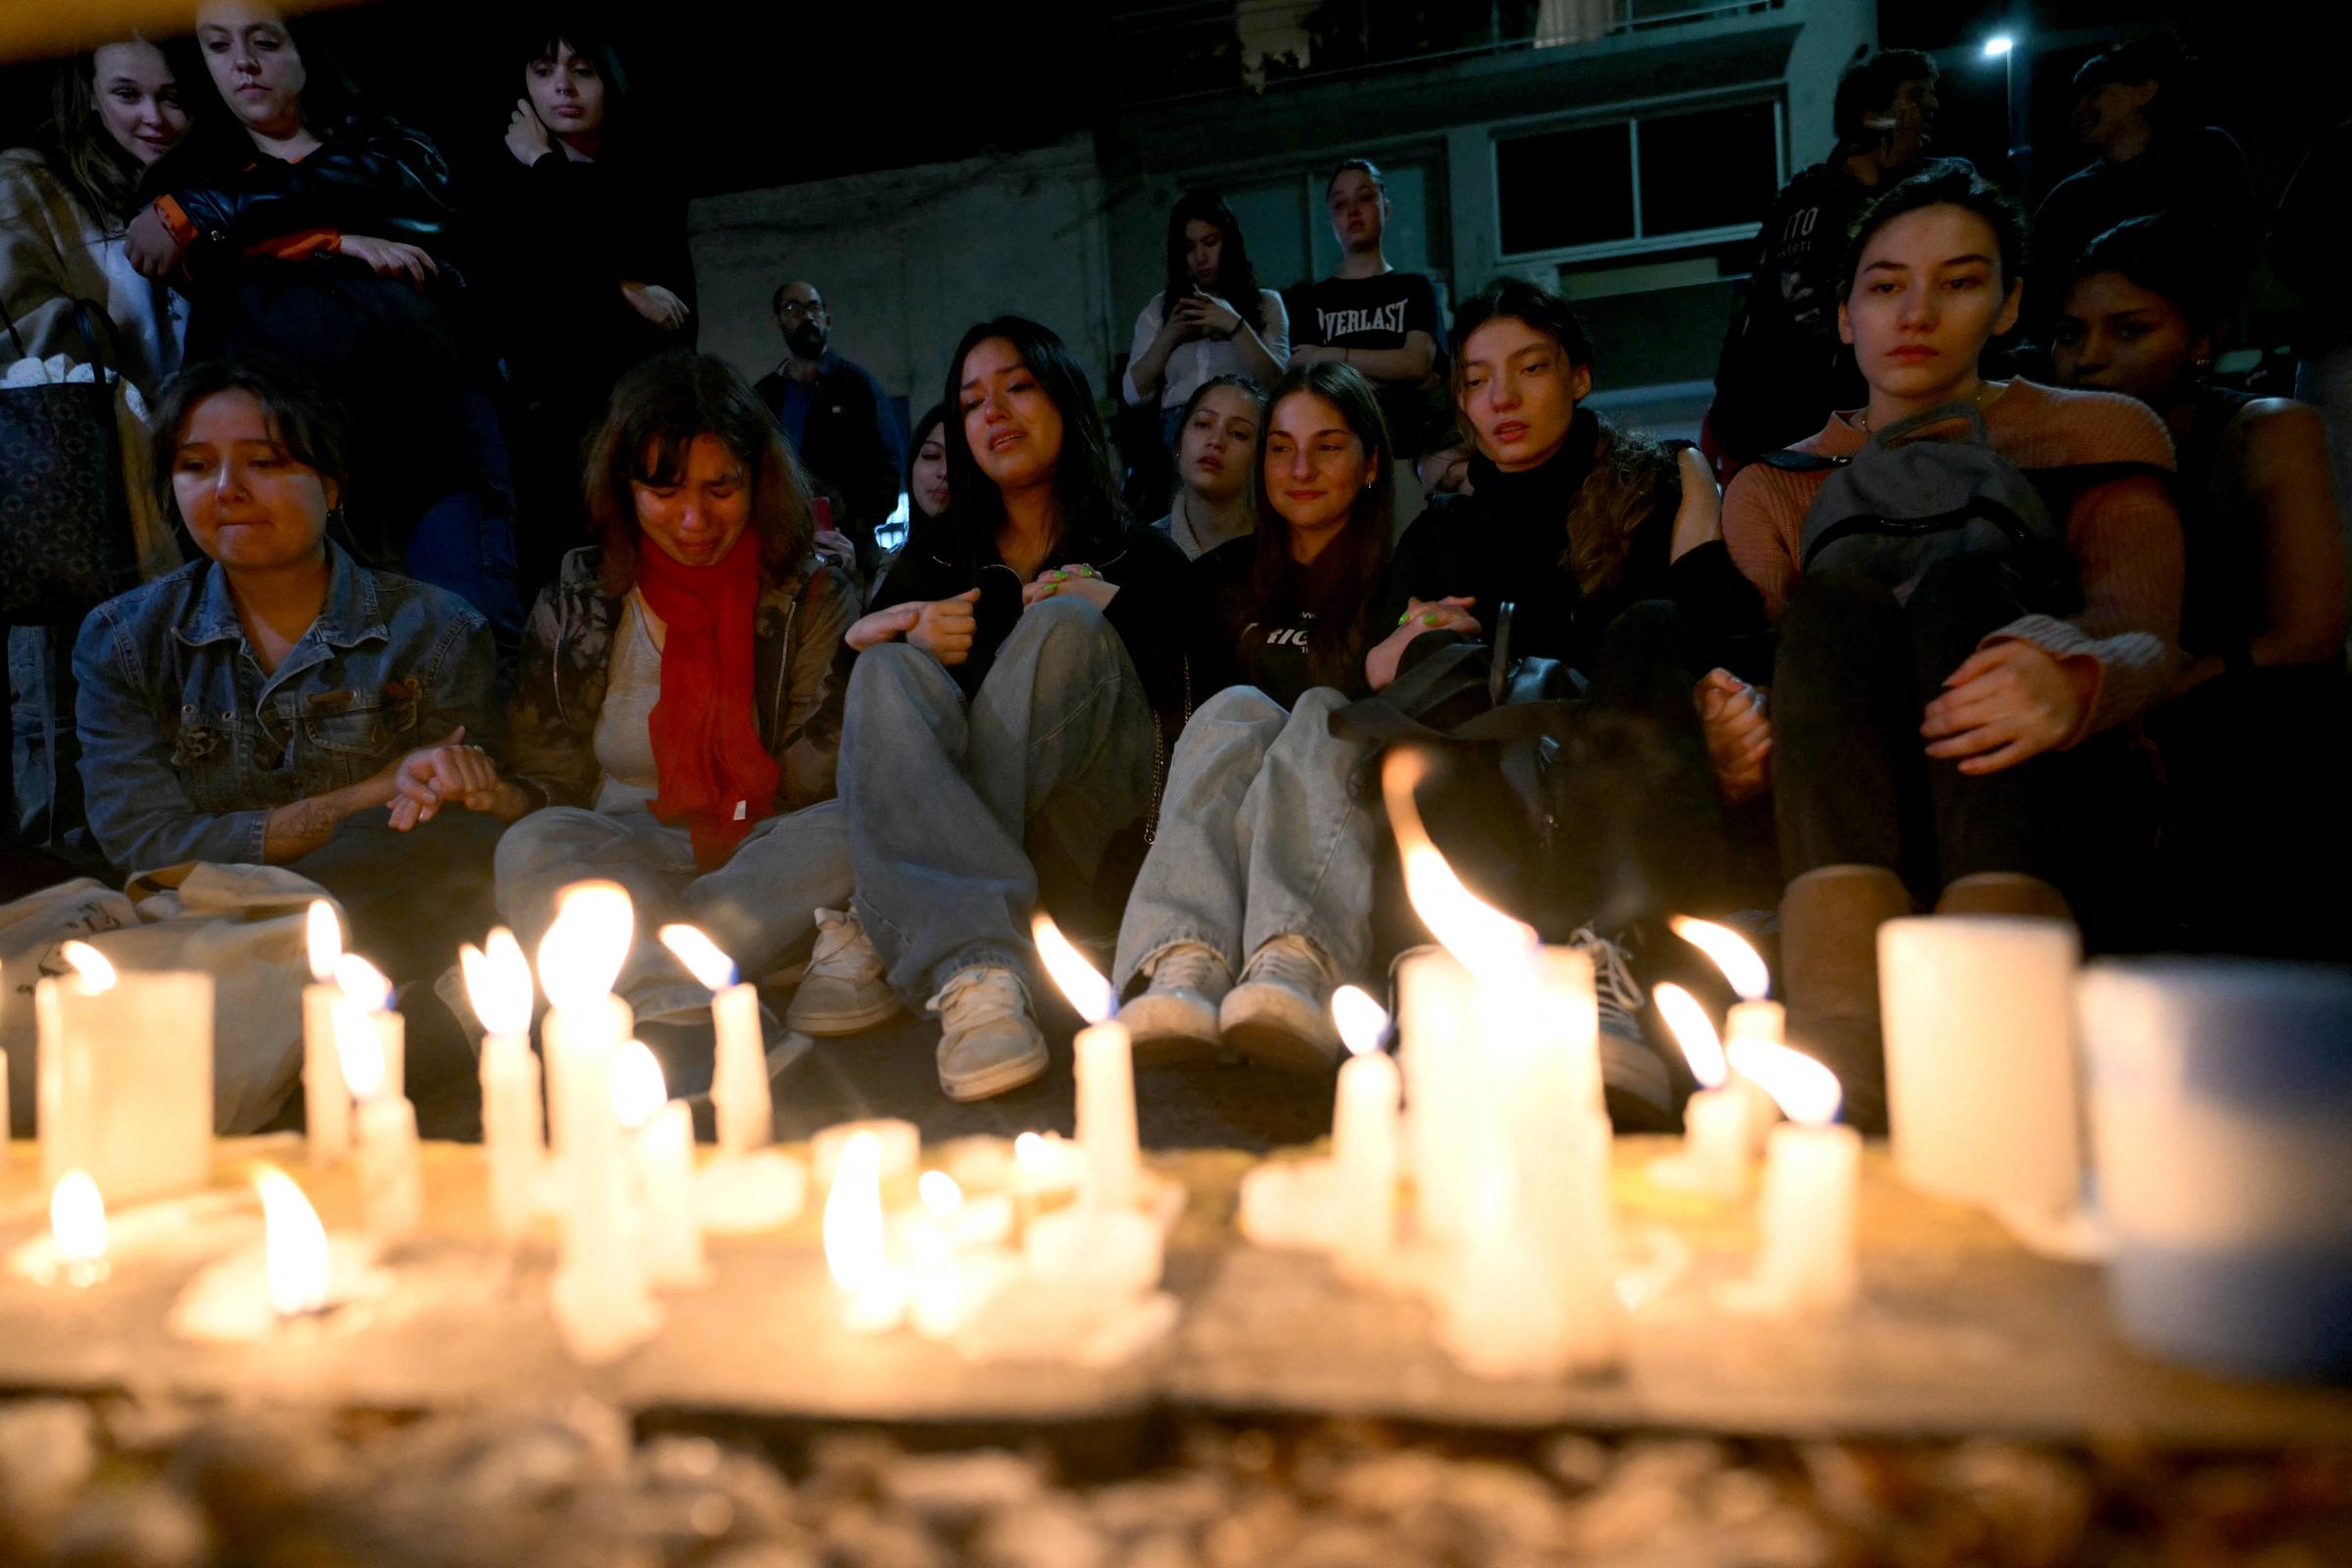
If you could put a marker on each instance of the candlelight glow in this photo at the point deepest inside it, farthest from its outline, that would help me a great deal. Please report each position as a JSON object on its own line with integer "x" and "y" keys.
{"x": 78, "y": 1219}
{"x": 1361, "y": 1020}
{"x": 1806, "y": 1090}
{"x": 700, "y": 954}
{"x": 1742, "y": 964}
{"x": 638, "y": 1087}
{"x": 1078, "y": 979}
{"x": 582, "y": 952}
{"x": 363, "y": 983}
{"x": 854, "y": 1239}
{"x": 940, "y": 1194}
{"x": 1695, "y": 1032}
{"x": 97, "y": 973}
{"x": 1480, "y": 936}
{"x": 358, "y": 1049}
{"x": 325, "y": 937}
{"x": 295, "y": 1243}
{"x": 497, "y": 983}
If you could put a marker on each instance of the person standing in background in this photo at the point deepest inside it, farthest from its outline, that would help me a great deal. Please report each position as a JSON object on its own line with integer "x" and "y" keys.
{"x": 1211, "y": 320}
{"x": 838, "y": 422}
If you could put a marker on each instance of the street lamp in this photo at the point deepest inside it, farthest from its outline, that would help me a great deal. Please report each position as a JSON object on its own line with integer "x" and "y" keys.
{"x": 2002, "y": 46}
{"x": 1999, "y": 44}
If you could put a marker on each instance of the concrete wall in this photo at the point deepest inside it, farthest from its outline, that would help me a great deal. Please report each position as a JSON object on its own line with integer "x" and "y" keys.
{"x": 907, "y": 259}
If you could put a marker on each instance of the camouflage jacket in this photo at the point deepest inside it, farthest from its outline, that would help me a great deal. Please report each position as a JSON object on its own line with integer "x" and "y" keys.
{"x": 799, "y": 672}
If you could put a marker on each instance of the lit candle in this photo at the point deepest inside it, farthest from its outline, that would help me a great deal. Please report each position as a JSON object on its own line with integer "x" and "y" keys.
{"x": 898, "y": 1148}
{"x": 78, "y": 1227}
{"x": 855, "y": 1251}
{"x": 365, "y": 987}
{"x": 1715, "y": 1128}
{"x": 294, "y": 1245}
{"x": 1363, "y": 1134}
{"x": 1812, "y": 1171}
{"x": 739, "y": 1088}
{"x": 1102, "y": 1059}
{"x": 391, "y": 1174}
{"x": 1435, "y": 1013}
{"x": 662, "y": 1130}
{"x": 955, "y": 1256}
{"x": 1752, "y": 1018}
{"x": 325, "y": 1099}
{"x": 498, "y": 984}
{"x": 124, "y": 1076}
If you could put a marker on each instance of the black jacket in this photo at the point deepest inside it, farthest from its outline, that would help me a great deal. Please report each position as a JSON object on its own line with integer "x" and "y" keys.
{"x": 371, "y": 175}
{"x": 850, "y": 445}
{"x": 1156, "y": 611}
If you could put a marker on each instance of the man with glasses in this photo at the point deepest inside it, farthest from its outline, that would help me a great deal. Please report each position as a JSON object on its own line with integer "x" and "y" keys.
{"x": 834, "y": 414}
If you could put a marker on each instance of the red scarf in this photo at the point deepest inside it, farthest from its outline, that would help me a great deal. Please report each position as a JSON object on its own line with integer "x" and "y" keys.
{"x": 715, "y": 774}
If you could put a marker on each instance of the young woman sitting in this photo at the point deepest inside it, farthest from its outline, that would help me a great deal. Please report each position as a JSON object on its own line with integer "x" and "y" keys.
{"x": 1263, "y": 864}
{"x": 1022, "y": 652}
{"x": 1957, "y": 746}
{"x": 1217, "y": 440}
{"x": 2248, "y": 730}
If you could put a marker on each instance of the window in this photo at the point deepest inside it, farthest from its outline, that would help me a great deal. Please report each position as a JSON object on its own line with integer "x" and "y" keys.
{"x": 1624, "y": 183}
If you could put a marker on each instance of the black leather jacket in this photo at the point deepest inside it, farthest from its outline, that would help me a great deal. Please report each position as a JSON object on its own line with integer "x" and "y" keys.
{"x": 371, "y": 177}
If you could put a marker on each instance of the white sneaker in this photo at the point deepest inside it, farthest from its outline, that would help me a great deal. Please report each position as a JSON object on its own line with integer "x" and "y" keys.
{"x": 987, "y": 1041}
{"x": 1280, "y": 1015}
{"x": 843, "y": 991}
{"x": 1175, "y": 1019}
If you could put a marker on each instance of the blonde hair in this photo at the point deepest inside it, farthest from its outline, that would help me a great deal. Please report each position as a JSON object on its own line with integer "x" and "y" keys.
{"x": 1624, "y": 487}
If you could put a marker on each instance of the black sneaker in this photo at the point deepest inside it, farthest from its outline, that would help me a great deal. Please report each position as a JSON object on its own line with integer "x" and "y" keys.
{"x": 1635, "y": 1081}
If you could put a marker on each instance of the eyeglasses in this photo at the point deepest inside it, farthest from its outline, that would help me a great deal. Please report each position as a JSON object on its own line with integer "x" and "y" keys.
{"x": 809, "y": 308}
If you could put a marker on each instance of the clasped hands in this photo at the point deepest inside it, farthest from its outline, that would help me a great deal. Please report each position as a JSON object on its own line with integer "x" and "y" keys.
{"x": 945, "y": 629}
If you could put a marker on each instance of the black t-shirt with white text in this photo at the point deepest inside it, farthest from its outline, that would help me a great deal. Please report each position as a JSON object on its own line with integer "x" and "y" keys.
{"x": 1374, "y": 313}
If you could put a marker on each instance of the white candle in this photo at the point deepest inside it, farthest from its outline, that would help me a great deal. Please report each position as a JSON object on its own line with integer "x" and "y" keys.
{"x": 898, "y": 1148}
{"x": 325, "y": 1099}
{"x": 77, "y": 1229}
{"x": 364, "y": 984}
{"x": 1100, "y": 1253}
{"x": 1980, "y": 1064}
{"x": 1436, "y": 1014}
{"x": 1364, "y": 1135}
{"x": 739, "y": 1088}
{"x": 662, "y": 1145}
{"x": 1715, "y": 1147}
{"x": 391, "y": 1174}
{"x": 1812, "y": 1174}
{"x": 1104, "y": 1063}
{"x": 497, "y": 983}
{"x": 1766, "y": 1021}
{"x": 124, "y": 1076}
{"x": 856, "y": 1254}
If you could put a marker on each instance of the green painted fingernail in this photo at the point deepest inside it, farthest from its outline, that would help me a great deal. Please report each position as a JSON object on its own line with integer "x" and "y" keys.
{"x": 1430, "y": 619}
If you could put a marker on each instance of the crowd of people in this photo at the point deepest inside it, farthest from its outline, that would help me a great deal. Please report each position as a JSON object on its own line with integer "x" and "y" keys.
{"x": 494, "y": 583}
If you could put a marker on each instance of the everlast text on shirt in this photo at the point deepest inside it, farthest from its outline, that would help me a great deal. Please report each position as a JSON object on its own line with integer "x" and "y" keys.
{"x": 1336, "y": 324}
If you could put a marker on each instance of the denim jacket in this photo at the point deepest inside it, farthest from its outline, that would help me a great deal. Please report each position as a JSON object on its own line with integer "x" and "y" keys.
{"x": 187, "y": 746}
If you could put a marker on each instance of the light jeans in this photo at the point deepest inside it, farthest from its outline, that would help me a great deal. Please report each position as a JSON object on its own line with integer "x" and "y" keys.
{"x": 758, "y": 907}
{"x": 949, "y": 801}
{"x": 1260, "y": 836}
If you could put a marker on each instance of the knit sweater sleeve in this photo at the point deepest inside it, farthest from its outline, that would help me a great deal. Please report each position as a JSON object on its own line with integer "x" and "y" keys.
{"x": 1763, "y": 522}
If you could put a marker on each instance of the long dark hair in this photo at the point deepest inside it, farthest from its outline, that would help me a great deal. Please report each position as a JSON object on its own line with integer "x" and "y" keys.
{"x": 1237, "y": 276}
{"x": 2164, "y": 253}
{"x": 655, "y": 413}
{"x": 1084, "y": 490}
{"x": 1339, "y": 584}
{"x": 1629, "y": 468}
{"x": 933, "y": 418}
{"x": 80, "y": 150}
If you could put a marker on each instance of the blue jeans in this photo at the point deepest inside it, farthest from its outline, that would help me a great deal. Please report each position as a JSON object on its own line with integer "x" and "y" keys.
{"x": 947, "y": 802}
{"x": 758, "y": 907}
{"x": 1260, "y": 836}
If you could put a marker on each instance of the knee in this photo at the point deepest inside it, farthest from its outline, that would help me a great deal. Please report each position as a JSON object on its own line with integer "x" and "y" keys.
{"x": 889, "y": 668}
{"x": 549, "y": 835}
{"x": 1063, "y": 628}
{"x": 1833, "y": 613}
{"x": 1239, "y": 704}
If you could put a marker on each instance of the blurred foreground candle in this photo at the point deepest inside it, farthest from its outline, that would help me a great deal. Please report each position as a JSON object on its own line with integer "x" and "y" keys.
{"x": 661, "y": 1132}
{"x": 1363, "y": 1134}
{"x": 498, "y": 984}
{"x": 1434, "y": 1015}
{"x": 1752, "y": 1018}
{"x": 1715, "y": 1123}
{"x": 77, "y": 1225}
{"x": 1104, "y": 1061}
{"x": 739, "y": 1088}
{"x": 1812, "y": 1173}
{"x": 124, "y": 1076}
{"x": 579, "y": 958}
{"x": 1980, "y": 1068}
{"x": 365, "y": 987}
{"x": 856, "y": 1254}
{"x": 325, "y": 1098}
{"x": 391, "y": 1174}
{"x": 294, "y": 1245}
{"x": 598, "y": 1294}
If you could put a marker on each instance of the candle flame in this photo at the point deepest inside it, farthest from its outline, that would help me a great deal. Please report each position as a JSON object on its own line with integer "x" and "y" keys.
{"x": 1807, "y": 1091}
{"x": 854, "y": 1238}
{"x": 96, "y": 971}
{"x": 294, "y": 1244}
{"x": 325, "y": 938}
{"x": 637, "y": 1085}
{"x": 1486, "y": 941}
{"x": 940, "y": 1194}
{"x": 1742, "y": 964}
{"x": 1078, "y": 979}
{"x": 700, "y": 955}
{"x": 1695, "y": 1032}
{"x": 78, "y": 1219}
{"x": 497, "y": 983}
{"x": 363, "y": 984}
{"x": 582, "y": 952}
{"x": 358, "y": 1049}
{"x": 1361, "y": 1020}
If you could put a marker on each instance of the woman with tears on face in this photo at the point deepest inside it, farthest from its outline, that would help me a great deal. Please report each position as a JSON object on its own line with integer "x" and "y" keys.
{"x": 1022, "y": 656}
{"x": 307, "y": 231}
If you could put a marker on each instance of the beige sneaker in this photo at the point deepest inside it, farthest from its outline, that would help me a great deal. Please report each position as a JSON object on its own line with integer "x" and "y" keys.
{"x": 987, "y": 1041}
{"x": 1175, "y": 1019}
{"x": 1280, "y": 1015}
{"x": 843, "y": 991}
